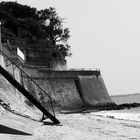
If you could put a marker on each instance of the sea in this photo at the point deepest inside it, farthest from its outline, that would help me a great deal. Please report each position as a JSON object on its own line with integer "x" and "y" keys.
{"x": 131, "y": 113}
{"x": 127, "y": 98}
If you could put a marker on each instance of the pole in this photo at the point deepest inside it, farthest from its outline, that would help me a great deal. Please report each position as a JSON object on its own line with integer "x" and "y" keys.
{"x": 2, "y": 63}
{"x": 0, "y": 38}
{"x": 28, "y": 95}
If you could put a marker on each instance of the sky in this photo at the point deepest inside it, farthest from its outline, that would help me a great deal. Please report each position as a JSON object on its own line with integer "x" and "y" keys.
{"x": 105, "y": 34}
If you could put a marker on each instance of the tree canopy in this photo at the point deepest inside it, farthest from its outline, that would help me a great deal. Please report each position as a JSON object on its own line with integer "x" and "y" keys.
{"x": 30, "y": 24}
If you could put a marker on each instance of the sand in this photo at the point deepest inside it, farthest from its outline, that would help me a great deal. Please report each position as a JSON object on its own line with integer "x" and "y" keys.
{"x": 103, "y": 125}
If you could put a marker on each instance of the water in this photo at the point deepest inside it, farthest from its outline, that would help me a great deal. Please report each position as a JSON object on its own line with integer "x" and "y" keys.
{"x": 130, "y": 98}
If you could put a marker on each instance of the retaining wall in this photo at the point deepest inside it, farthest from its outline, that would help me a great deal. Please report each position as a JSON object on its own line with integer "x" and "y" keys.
{"x": 69, "y": 90}
{"x": 63, "y": 93}
{"x": 93, "y": 91}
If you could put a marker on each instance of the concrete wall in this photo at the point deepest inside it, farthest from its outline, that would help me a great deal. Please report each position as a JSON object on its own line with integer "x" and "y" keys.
{"x": 41, "y": 72}
{"x": 59, "y": 65}
{"x": 93, "y": 91}
{"x": 63, "y": 93}
{"x": 69, "y": 90}
{"x": 37, "y": 57}
{"x": 8, "y": 93}
{"x": 10, "y": 96}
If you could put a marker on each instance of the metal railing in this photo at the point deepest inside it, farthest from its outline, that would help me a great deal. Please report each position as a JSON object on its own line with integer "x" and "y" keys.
{"x": 69, "y": 69}
{"x": 30, "y": 80}
{"x": 84, "y": 69}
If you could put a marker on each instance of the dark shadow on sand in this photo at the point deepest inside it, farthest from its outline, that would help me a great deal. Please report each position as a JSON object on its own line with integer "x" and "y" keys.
{"x": 48, "y": 123}
{"x": 8, "y": 130}
{"x": 51, "y": 124}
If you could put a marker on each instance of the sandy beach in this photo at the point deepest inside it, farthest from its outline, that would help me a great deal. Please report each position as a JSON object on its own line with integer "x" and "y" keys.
{"x": 103, "y": 125}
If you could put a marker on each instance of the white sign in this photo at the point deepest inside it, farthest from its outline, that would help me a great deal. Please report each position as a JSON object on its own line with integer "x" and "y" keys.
{"x": 20, "y": 54}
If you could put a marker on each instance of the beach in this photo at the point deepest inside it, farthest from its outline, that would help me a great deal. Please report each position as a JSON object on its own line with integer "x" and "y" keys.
{"x": 103, "y": 125}
{"x": 96, "y": 125}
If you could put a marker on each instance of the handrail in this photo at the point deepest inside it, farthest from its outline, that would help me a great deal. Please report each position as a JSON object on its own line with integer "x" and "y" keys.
{"x": 69, "y": 69}
{"x": 84, "y": 69}
{"x": 30, "y": 79}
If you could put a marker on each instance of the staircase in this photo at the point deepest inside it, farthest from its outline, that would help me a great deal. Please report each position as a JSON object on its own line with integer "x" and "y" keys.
{"x": 25, "y": 92}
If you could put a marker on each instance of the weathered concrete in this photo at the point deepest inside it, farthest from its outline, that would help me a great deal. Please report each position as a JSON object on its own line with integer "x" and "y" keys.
{"x": 93, "y": 91}
{"x": 37, "y": 57}
{"x": 69, "y": 90}
{"x": 8, "y": 93}
{"x": 63, "y": 92}
{"x": 42, "y": 72}
{"x": 10, "y": 96}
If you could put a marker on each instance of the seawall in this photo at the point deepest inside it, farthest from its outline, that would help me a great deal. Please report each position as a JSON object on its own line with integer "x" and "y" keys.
{"x": 69, "y": 90}
{"x": 93, "y": 91}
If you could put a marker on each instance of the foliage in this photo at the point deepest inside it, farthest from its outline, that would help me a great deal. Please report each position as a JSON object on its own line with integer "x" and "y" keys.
{"x": 30, "y": 24}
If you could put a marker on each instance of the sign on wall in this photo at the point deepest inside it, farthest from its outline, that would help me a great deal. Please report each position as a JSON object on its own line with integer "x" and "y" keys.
{"x": 20, "y": 54}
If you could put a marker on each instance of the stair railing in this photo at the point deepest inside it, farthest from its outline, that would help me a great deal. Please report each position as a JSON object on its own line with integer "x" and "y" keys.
{"x": 30, "y": 80}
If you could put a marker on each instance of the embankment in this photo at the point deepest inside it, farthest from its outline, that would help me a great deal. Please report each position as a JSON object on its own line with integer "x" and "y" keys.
{"x": 69, "y": 90}
{"x": 63, "y": 93}
{"x": 93, "y": 91}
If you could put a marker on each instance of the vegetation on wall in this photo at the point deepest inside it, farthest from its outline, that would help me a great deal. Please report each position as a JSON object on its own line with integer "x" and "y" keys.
{"x": 31, "y": 25}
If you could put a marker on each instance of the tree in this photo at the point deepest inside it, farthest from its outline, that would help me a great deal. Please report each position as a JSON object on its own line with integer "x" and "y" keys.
{"x": 28, "y": 23}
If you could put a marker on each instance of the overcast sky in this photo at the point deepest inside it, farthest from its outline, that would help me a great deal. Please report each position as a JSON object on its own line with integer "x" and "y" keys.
{"x": 105, "y": 34}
